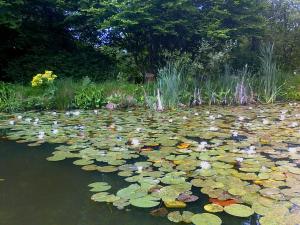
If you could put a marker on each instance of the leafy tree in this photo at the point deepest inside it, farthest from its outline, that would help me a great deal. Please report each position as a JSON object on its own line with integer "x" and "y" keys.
{"x": 284, "y": 31}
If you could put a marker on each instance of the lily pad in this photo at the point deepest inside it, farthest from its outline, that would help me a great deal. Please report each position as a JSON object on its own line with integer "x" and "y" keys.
{"x": 213, "y": 208}
{"x": 206, "y": 219}
{"x": 239, "y": 210}
{"x": 145, "y": 202}
{"x": 99, "y": 186}
{"x": 175, "y": 217}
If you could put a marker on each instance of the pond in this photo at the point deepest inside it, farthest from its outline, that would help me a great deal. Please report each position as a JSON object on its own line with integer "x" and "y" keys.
{"x": 210, "y": 165}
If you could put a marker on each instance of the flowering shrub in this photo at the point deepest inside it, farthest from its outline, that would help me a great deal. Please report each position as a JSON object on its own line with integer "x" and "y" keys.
{"x": 43, "y": 79}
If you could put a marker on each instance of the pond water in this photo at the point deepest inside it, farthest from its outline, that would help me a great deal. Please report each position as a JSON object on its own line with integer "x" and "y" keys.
{"x": 134, "y": 162}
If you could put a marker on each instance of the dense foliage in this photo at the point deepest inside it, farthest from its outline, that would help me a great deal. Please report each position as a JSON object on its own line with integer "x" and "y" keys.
{"x": 124, "y": 39}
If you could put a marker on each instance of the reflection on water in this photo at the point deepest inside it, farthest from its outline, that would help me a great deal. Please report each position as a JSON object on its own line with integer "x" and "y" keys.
{"x": 38, "y": 192}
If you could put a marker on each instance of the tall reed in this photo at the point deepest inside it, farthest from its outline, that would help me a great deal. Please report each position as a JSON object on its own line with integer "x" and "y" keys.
{"x": 269, "y": 73}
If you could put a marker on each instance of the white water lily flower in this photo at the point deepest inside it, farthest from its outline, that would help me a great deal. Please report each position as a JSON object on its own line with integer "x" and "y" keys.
{"x": 282, "y": 117}
{"x": 12, "y": 122}
{"x": 202, "y": 146}
{"x": 41, "y": 135}
{"x": 219, "y": 116}
{"x": 138, "y": 129}
{"x": 67, "y": 113}
{"x": 36, "y": 120}
{"x": 196, "y": 114}
{"x": 250, "y": 108}
{"x": 213, "y": 129}
{"x": 251, "y": 150}
{"x": 292, "y": 149}
{"x": 239, "y": 159}
{"x": 235, "y": 133}
{"x": 28, "y": 120}
{"x": 241, "y": 118}
{"x": 54, "y": 131}
{"x": 205, "y": 165}
{"x": 19, "y": 117}
{"x": 294, "y": 124}
{"x": 170, "y": 120}
{"x": 135, "y": 142}
{"x": 96, "y": 112}
{"x": 55, "y": 122}
{"x": 76, "y": 113}
{"x": 184, "y": 118}
{"x": 265, "y": 121}
{"x": 139, "y": 169}
{"x": 54, "y": 113}
{"x": 207, "y": 112}
{"x": 212, "y": 117}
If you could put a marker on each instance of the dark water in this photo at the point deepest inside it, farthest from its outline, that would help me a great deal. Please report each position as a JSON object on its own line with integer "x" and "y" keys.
{"x": 38, "y": 192}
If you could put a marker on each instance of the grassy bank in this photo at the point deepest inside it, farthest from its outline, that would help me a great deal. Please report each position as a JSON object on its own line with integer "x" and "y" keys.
{"x": 176, "y": 91}
{"x": 66, "y": 94}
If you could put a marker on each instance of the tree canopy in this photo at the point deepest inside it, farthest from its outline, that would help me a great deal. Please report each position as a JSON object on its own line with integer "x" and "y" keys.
{"x": 97, "y": 32}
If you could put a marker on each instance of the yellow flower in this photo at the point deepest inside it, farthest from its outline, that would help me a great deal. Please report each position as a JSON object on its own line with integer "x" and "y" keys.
{"x": 43, "y": 79}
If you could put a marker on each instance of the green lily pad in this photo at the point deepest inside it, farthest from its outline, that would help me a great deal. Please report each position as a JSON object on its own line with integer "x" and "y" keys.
{"x": 239, "y": 210}
{"x": 147, "y": 201}
{"x": 55, "y": 158}
{"x": 213, "y": 208}
{"x": 206, "y": 219}
{"x": 175, "y": 217}
{"x": 237, "y": 191}
{"x": 99, "y": 186}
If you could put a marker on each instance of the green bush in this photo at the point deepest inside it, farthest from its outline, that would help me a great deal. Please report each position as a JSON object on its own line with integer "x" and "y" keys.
{"x": 9, "y": 98}
{"x": 77, "y": 65}
{"x": 89, "y": 96}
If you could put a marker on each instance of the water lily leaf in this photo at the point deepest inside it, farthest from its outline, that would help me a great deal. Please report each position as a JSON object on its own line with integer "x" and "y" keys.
{"x": 222, "y": 202}
{"x": 107, "y": 169}
{"x": 260, "y": 209}
{"x": 83, "y": 162}
{"x": 206, "y": 218}
{"x": 187, "y": 216}
{"x": 145, "y": 202}
{"x": 174, "y": 204}
{"x": 238, "y": 210}
{"x": 237, "y": 191}
{"x": 104, "y": 197}
{"x": 162, "y": 212}
{"x": 55, "y": 158}
{"x": 213, "y": 208}
{"x": 99, "y": 186}
{"x": 175, "y": 217}
{"x": 295, "y": 201}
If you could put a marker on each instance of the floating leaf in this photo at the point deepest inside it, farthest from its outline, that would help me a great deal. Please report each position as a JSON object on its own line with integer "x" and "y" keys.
{"x": 162, "y": 212}
{"x": 237, "y": 191}
{"x": 223, "y": 202}
{"x": 239, "y": 210}
{"x": 206, "y": 219}
{"x": 99, "y": 186}
{"x": 175, "y": 217}
{"x": 213, "y": 208}
{"x": 175, "y": 204}
{"x": 145, "y": 202}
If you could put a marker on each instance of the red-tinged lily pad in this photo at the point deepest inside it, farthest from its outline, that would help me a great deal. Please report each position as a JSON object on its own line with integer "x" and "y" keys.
{"x": 223, "y": 202}
{"x": 187, "y": 198}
